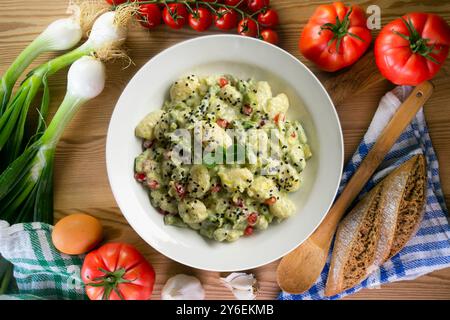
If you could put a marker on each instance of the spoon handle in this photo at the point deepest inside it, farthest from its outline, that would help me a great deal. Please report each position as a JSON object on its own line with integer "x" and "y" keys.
{"x": 322, "y": 236}
{"x": 400, "y": 120}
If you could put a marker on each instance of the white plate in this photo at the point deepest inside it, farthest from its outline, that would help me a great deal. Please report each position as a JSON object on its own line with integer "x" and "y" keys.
{"x": 243, "y": 57}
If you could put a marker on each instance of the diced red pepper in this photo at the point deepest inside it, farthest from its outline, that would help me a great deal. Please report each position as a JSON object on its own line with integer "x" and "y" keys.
{"x": 223, "y": 82}
{"x": 222, "y": 123}
{"x": 140, "y": 176}
{"x": 248, "y": 231}
{"x": 262, "y": 123}
{"x": 216, "y": 188}
{"x": 252, "y": 218}
{"x": 247, "y": 110}
{"x": 294, "y": 134}
{"x": 270, "y": 201}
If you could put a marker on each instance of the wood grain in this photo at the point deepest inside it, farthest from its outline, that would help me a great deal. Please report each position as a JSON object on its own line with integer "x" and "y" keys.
{"x": 81, "y": 183}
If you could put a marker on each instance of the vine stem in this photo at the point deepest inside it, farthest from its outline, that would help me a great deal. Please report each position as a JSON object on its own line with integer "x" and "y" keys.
{"x": 213, "y": 6}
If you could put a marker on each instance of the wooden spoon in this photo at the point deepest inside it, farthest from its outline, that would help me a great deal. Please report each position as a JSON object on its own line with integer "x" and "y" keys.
{"x": 299, "y": 270}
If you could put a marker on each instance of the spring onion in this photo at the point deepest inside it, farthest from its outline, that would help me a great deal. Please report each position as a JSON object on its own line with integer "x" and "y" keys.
{"x": 61, "y": 34}
{"x": 107, "y": 35}
{"x": 26, "y": 185}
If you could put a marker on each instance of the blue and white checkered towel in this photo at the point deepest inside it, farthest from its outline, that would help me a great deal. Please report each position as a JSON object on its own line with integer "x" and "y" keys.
{"x": 429, "y": 249}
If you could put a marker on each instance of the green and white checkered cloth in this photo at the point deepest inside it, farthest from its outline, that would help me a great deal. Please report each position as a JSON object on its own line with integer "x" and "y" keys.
{"x": 40, "y": 270}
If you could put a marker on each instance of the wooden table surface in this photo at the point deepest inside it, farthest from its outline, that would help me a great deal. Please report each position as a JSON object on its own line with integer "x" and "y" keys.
{"x": 81, "y": 183}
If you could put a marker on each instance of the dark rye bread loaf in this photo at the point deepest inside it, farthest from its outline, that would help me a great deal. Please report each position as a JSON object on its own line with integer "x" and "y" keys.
{"x": 378, "y": 226}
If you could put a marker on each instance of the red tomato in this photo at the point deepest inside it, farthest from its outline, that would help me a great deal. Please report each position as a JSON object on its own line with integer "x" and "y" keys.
{"x": 270, "y": 201}
{"x": 150, "y": 15}
{"x": 117, "y": 271}
{"x": 216, "y": 188}
{"x": 268, "y": 18}
{"x": 181, "y": 191}
{"x": 222, "y": 123}
{"x": 226, "y": 19}
{"x": 270, "y": 36}
{"x": 200, "y": 19}
{"x": 279, "y": 117}
{"x": 255, "y": 5}
{"x": 223, "y": 82}
{"x": 248, "y": 27}
{"x": 252, "y": 218}
{"x": 412, "y": 49}
{"x": 140, "y": 177}
{"x": 248, "y": 231}
{"x": 335, "y": 36}
{"x": 175, "y": 15}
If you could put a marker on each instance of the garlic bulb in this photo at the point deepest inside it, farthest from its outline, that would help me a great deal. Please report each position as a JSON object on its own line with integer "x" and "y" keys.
{"x": 242, "y": 285}
{"x": 183, "y": 287}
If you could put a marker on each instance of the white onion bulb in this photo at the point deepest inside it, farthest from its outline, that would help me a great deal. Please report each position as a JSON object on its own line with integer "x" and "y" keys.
{"x": 106, "y": 33}
{"x": 62, "y": 34}
{"x": 86, "y": 78}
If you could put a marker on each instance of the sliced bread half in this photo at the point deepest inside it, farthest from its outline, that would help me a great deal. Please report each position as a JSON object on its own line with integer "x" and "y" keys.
{"x": 355, "y": 244}
{"x": 379, "y": 226}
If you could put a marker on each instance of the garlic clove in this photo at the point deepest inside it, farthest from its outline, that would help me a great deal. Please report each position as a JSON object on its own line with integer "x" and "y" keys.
{"x": 242, "y": 285}
{"x": 183, "y": 287}
{"x": 245, "y": 294}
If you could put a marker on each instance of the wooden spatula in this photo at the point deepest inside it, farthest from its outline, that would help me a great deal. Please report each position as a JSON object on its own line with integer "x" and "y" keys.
{"x": 298, "y": 270}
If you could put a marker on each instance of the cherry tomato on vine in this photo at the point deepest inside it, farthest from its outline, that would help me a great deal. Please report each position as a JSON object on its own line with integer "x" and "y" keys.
{"x": 270, "y": 36}
{"x": 200, "y": 19}
{"x": 150, "y": 15}
{"x": 226, "y": 19}
{"x": 175, "y": 15}
{"x": 247, "y": 27}
{"x": 235, "y": 3}
{"x": 268, "y": 18}
{"x": 116, "y": 2}
{"x": 255, "y": 5}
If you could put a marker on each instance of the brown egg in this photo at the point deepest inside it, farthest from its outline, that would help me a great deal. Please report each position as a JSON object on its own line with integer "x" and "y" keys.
{"x": 77, "y": 233}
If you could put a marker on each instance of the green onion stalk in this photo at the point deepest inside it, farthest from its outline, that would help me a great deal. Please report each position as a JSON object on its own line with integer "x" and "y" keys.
{"x": 26, "y": 186}
{"x": 108, "y": 33}
{"x": 60, "y": 35}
